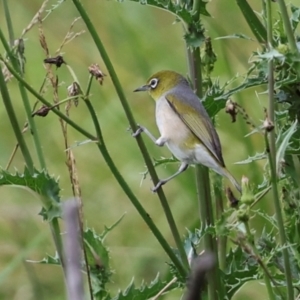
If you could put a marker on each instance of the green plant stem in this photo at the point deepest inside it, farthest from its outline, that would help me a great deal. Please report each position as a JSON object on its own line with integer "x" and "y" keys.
{"x": 215, "y": 286}
{"x": 26, "y": 104}
{"x": 48, "y": 104}
{"x": 54, "y": 226}
{"x": 289, "y": 33}
{"x": 14, "y": 123}
{"x": 257, "y": 257}
{"x": 9, "y": 23}
{"x": 270, "y": 144}
{"x": 102, "y": 147}
{"x": 113, "y": 168}
{"x": 287, "y": 25}
{"x": 133, "y": 126}
{"x": 279, "y": 218}
{"x": 222, "y": 240}
{"x": 196, "y": 10}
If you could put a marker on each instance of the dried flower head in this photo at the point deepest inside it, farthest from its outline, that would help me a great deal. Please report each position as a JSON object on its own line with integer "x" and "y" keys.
{"x": 42, "y": 112}
{"x": 58, "y": 61}
{"x": 95, "y": 71}
{"x": 231, "y": 198}
{"x": 231, "y": 108}
{"x": 268, "y": 125}
{"x": 74, "y": 90}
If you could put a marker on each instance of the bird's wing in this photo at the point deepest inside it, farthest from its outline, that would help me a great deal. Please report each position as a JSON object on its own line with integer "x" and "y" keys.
{"x": 198, "y": 121}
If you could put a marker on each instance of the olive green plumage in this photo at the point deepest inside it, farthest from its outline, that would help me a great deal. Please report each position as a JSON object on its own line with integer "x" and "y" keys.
{"x": 184, "y": 125}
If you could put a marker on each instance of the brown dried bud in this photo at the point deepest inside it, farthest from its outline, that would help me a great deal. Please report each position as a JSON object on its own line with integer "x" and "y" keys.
{"x": 231, "y": 198}
{"x": 58, "y": 61}
{"x": 268, "y": 124}
{"x": 74, "y": 90}
{"x": 231, "y": 109}
{"x": 42, "y": 112}
{"x": 95, "y": 71}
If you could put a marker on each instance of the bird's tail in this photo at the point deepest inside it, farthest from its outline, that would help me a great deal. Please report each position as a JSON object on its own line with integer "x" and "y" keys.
{"x": 232, "y": 180}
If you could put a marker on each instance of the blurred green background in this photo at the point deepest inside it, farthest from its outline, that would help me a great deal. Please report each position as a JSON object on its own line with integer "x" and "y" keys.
{"x": 140, "y": 40}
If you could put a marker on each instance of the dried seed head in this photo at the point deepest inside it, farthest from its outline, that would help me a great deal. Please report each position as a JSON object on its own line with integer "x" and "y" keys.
{"x": 231, "y": 108}
{"x": 231, "y": 198}
{"x": 58, "y": 61}
{"x": 95, "y": 71}
{"x": 74, "y": 90}
{"x": 42, "y": 112}
{"x": 268, "y": 125}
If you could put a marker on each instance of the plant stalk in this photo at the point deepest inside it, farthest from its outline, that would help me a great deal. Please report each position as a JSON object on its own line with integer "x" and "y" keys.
{"x": 133, "y": 126}
{"x": 26, "y": 104}
{"x": 102, "y": 147}
{"x": 257, "y": 257}
{"x": 270, "y": 144}
{"x": 215, "y": 286}
{"x": 14, "y": 123}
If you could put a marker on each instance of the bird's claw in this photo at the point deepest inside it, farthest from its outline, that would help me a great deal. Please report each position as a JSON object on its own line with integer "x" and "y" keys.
{"x": 138, "y": 131}
{"x": 158, "y": 185}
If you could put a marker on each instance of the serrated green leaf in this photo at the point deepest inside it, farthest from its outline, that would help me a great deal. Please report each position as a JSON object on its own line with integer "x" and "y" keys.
{"x": 295, "y": 16}
{"x": 235, "y": 36}
{"x": 144, "y": 292}
{"x": 284, "y": 144}
{"x": 240, "y": 269}
{"x": 164, "y": 161}
{"x": 250, "y": 159}
{"x": 107, "y": 229}
{"x": 183, "y": 10}
{"x": 95, "y": 249}
{"x": 41, "y": 183}
{"x": 48, "y": 260}
{"x": 98, "y": 260}
{"x": 194, "y": 40}
{"x": 271, "y": 54}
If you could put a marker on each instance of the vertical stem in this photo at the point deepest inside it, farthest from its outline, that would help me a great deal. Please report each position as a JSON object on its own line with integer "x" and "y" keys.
{"x": 14, "y": 123}
{"x": 215, "y": 286}
{"x": 26, "y": 104}
{"x": 272, "y": 159}
{"x": 222, "y": 240}
{"x": 102, "y": 147}
{"x": 9, "y": 23}
{"x": 133, "y": 126}
{"x": 289, "y": 33}
{"x": 267, "y": 280}
{"x": 287, "y": 24}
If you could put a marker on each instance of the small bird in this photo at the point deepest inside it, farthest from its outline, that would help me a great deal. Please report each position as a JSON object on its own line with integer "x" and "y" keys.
{"x": 184, "y": 125}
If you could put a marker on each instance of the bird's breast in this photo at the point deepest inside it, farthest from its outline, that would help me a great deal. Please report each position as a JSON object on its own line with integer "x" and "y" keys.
{"x": 179, "y": 138}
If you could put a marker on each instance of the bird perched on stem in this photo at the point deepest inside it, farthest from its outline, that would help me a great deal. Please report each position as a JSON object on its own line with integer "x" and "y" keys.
{"x": 184, "y": 125}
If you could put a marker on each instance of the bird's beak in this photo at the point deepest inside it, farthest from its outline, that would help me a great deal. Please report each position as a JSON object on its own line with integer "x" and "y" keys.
{"x": 143, "y": 88}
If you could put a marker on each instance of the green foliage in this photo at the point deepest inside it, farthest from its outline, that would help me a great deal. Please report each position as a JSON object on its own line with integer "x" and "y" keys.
{"x": 240, "y": 269}
{"x": 143, "y": 292}
{"x": 256, "y": 253}
{"x": 40, "y": 182}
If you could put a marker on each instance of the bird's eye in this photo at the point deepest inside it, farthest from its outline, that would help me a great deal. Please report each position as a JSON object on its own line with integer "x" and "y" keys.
{"x": 153, "y": 83}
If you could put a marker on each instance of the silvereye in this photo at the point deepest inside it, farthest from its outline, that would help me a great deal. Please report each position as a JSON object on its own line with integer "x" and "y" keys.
{"x": 184, "y": 125}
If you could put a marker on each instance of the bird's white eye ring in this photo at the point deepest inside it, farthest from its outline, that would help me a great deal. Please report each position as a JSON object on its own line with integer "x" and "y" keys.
{"x": 153, "y": 83}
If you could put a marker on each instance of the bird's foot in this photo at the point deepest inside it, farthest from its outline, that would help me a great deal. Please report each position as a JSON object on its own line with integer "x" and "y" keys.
{"x": 158, "y": 185}
{"x": 138, "y": 131}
